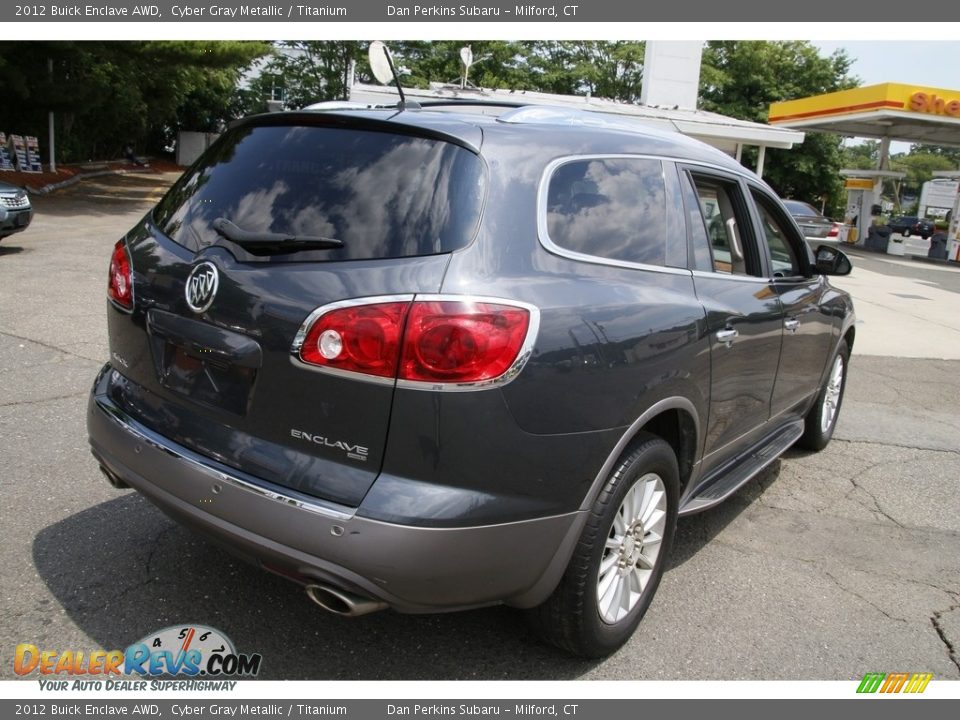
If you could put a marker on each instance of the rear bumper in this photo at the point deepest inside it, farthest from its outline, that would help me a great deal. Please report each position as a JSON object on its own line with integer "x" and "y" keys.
{"x": 413, "y": 569}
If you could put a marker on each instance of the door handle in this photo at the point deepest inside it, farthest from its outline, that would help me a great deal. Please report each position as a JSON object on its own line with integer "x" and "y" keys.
{"x": 791, "y": 324}
{"x": 727, "y": 336}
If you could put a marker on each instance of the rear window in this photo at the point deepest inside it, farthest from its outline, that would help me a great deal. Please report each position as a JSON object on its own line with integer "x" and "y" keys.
{"x": 383, "y": 195}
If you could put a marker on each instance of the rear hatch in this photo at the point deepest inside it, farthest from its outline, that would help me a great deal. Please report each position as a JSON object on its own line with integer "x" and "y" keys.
{"x": 371, "y": 208}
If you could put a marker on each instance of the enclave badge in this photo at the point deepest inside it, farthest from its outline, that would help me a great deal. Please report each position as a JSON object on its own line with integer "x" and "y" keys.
{"x": 201, "y": 287}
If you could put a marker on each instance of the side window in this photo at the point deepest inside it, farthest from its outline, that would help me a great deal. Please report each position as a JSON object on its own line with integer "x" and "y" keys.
{"x": 613, "y": 208}
{"x": 722, "y": 212}
{"x": 702, "y": 256}
{"x": 783, "y": 256}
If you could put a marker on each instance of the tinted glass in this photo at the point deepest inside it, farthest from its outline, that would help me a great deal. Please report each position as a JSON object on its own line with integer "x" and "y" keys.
{"x": 702, "y": 257}
{"x": 382, "y": 195}
{"x": 783, "y": 258}
{"x": 611, "y": 208}
{"x": 795, "y": 207}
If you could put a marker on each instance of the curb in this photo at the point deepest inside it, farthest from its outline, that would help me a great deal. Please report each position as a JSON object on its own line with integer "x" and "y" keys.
{"x": 856, "y": 251}
{"x": 47, "y": 189}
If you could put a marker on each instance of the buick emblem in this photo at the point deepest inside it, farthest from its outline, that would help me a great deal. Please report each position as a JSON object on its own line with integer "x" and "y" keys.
{"x": 201, "y": 287}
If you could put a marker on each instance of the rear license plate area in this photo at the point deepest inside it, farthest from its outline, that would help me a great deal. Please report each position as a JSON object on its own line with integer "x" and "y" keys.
{"x": 205, "y": 380}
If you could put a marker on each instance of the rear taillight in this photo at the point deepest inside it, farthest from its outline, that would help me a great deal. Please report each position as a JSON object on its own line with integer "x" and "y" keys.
{"x": 452, "y": 341}
{"x": 834, "y": 231}
{"x": 120, "y": 283}
{"x": 429, "y": 341}
{"x": 359, "y": 338}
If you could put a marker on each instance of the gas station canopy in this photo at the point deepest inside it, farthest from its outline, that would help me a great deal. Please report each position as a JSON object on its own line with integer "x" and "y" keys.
{"x": 891, "y": 111}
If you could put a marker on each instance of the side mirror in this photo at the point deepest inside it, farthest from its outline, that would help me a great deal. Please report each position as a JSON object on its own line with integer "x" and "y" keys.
{"x": 831, "y": 261}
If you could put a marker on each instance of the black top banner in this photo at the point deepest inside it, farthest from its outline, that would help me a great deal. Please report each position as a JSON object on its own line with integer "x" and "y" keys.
{"x": 176, "y": 11}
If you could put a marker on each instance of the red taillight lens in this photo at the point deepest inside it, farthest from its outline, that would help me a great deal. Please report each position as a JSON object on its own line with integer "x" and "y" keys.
{"x": 120, "y": 283}
{"x": 450, "y": 341}
{"x": 361, "y": 338}
{"x": 431, "y": 341}
{"x": 834, "y": 231}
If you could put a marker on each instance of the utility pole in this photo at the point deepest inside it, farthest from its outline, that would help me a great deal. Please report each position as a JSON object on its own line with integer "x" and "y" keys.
{"x": 53, "y": 161}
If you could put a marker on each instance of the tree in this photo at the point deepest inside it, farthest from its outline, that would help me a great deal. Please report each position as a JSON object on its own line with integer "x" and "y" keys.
{"x": 951, "y": 153}
{"x": 611, "y": 70}
{"x": 108, "y": 94}
{"x": 919, "y": 167}
{"x": 742, "y": 79}
{"x": 310, "y": 71}
{"x": 862, "y": 156}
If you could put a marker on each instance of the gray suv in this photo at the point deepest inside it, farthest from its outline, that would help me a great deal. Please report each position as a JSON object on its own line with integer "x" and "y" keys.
{"x": 429, "y": 360}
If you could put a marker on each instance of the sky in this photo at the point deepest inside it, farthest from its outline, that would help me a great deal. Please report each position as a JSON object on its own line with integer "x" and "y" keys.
{"x": 934, "y": 64}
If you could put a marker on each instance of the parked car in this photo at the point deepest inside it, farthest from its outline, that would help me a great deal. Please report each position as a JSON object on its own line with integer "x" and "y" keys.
{"x": 813, "y": 224}
{"x": 15, "y": 209}
{"x": 908, "y": 225}
{"x": 431, "y": 361}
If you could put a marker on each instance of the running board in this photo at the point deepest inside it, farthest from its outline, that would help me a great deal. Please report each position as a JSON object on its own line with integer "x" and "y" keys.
{"x": 730, "y": 478}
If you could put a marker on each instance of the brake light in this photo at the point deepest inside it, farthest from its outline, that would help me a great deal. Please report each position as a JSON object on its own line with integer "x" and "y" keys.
{"x": 120, "y": 282}
{"x": 430, "y": 341}
{"x": 358, "y": 338}
{"x": 452, "y": 341}
{"x": 834, "y": 231}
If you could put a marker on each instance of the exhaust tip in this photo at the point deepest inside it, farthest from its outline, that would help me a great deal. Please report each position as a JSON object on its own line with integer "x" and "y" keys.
{"x": 341, "y": 602}
{"x": 113, "y": 479}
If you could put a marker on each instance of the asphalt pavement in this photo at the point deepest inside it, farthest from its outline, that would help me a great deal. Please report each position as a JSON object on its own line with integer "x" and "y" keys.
{"x": 825, "y": 567}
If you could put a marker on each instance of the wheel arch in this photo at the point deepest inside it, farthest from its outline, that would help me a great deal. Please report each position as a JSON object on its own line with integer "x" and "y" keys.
{"x": 674, "y": 420}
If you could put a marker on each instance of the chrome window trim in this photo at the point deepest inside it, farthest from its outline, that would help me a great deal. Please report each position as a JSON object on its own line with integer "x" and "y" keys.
{"x": 508, "y": 375}
{"x": 730, "y": 276}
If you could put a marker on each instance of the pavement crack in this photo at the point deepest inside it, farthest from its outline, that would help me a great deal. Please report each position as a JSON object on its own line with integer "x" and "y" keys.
{"x": 941, "y": 633}
{"x": 48, "y": 346}
{"x": 43, "y": 400}
{"x": 897, "y": 445}
{"x": 876, "y": 503}
{"x": 861, "y": 597}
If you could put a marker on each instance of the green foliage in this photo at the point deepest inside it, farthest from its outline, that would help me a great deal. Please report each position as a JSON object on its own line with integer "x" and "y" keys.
{"x": 951, "y": 153}
{"x": 862, "y": 156}
{"x": 742, "y": 79}
{"x": 108, "y": 94}
{"x": 307, "y": 72}
{"x": 919, "y": 167}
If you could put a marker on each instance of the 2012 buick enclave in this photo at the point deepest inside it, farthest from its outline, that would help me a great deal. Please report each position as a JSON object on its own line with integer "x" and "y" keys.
{"x": 431, "y": 360}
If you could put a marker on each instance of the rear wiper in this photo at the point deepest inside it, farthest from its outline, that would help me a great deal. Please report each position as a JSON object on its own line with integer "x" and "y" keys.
{"x": 270, "y": 242}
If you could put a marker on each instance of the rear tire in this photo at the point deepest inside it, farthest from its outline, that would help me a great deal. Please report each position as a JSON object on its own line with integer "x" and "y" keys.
{"x": 619, "y": 559}
{"x": 821, "y": 420}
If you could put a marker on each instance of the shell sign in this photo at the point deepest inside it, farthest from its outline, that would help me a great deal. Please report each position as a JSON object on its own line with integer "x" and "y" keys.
{"x": 933, "y": 103}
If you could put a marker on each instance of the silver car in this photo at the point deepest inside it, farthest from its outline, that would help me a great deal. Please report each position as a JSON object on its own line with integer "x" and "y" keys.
{"x": 815, "y": 226}
{"x": 15, "y": 209}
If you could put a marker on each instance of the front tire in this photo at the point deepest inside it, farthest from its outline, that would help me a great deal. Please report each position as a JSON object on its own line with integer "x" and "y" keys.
{"x": 619, "y": 560}
{"x": 821, "y": 420}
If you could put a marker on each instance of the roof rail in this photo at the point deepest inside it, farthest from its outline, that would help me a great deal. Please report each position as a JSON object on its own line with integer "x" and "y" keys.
{"x": 553, "y": 115}
{"x": 475, "y": 103}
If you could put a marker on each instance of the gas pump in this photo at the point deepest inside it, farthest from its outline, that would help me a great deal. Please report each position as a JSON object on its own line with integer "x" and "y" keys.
{"x": 863, "y": 194}
{"x": 854, "y": 213}
{"x": 953, "y": 233}
{"x": 864, "y": 190}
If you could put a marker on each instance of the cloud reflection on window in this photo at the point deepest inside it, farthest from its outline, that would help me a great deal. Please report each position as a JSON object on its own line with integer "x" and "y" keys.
{"x": 383, "y": 195}
{"x": 609, "y": 208}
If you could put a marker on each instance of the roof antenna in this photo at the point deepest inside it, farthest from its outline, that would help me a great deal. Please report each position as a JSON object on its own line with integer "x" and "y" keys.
{"x": 381, "y": 62}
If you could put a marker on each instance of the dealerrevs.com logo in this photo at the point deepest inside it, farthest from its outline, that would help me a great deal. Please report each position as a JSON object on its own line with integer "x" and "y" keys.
{"x": 894, "y": 682}
{"x": 191, "y": 651}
